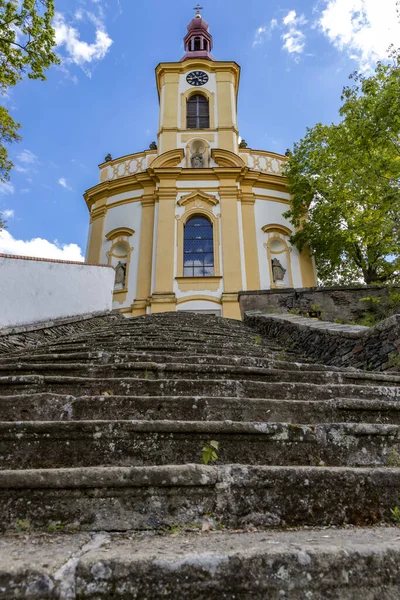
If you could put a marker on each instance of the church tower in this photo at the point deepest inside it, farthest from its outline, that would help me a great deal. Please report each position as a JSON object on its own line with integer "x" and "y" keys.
{"x": 196, "y": 218}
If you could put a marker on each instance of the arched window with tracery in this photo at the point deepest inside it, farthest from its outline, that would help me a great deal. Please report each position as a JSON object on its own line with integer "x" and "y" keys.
{"x": 198, "y": 248}
{"x": 197, "y": 112}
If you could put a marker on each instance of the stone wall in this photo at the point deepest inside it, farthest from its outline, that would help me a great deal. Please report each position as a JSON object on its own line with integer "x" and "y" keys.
{"x": 13, "y": 339}
{"x": 329, "y": 303}
{"x": 372, "y": 348}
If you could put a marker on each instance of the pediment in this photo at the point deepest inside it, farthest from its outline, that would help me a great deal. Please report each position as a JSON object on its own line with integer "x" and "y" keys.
{"x": 172, "y": 158}
{"x": 198, "y": 195}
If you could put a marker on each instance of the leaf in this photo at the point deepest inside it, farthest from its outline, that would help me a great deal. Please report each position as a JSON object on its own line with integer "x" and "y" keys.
{"x": 345, "y": 183}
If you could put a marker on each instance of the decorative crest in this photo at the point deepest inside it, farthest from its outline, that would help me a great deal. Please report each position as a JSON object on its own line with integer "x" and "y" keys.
{"x": 198, "y": 8}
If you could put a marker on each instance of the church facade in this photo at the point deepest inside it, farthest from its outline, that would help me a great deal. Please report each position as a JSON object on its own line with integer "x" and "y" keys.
{"x": 198, "y": 217}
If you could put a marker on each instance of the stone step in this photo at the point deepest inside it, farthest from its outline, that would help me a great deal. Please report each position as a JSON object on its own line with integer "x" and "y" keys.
{"x": 157, "y": 498}
{"x": 59, "y": 444}
{"x": 150, "y": 370}
{"x": 53, "y": 407}
{"x": 129, "y": 386}
{"x": 227, "y": 349}
{"x": 328, "y": 564}
{"x": 102, "y": 357}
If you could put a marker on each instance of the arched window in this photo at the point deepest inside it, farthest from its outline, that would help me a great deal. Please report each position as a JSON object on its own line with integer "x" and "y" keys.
{"x": 198, "y": 248}
{"x": 197, "y": 112}
{"x": 197, "y": 43}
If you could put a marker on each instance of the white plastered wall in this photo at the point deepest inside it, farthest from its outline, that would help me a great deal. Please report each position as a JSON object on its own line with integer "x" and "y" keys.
{"x": 39, "y": 290}
{"x": 125, "y": 215}
{"x": 268, "y": 212}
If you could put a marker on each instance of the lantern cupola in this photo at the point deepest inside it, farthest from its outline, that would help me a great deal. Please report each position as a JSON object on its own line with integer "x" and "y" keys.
{"x": 198, "y": 41}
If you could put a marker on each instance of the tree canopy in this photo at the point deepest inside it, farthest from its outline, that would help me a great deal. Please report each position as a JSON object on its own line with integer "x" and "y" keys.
{"x": 345, "y": 183}
{"x": 27, "y": 39}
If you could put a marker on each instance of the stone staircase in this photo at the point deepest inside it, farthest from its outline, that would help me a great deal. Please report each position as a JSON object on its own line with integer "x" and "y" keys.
{"x": 103, "y": 493}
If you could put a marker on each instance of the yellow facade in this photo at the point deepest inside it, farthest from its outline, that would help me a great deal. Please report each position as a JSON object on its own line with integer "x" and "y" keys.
{"x": 144, "y": 202}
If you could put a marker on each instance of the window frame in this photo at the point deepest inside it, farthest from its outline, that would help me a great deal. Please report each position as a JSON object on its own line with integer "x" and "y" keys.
{"x": 207, "y": 264}
{"x": 197, "y": 121}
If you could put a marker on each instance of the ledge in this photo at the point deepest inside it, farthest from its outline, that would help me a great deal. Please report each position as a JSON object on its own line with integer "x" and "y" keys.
{"x": 370, "y": 348}
{"x": 187, "y": 284}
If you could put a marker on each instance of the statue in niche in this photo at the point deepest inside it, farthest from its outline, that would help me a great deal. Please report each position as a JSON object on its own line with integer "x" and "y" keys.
{"x": 278, "y": 272}
{"x": 197, "y": 160}
{"x": 120, "y": 276}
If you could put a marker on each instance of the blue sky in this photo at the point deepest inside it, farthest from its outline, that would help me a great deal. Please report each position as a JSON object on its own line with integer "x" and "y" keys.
{"x": 295, "y": 55}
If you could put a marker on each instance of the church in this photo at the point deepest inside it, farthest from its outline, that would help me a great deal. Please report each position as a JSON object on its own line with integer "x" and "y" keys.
{"x": 198, "y": 217}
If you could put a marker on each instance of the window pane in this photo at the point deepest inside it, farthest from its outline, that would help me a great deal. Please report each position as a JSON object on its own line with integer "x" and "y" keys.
{"x": 198, "y": 248}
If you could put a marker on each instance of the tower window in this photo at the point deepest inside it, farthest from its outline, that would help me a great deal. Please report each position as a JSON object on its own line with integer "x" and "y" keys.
{"x": 198, "y": 249}
{"x": 197, "y": 43}
{"x": 197, "y": 112}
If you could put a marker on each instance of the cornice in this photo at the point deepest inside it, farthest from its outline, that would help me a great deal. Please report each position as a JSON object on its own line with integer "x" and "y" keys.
{"x": 151, "y": 177}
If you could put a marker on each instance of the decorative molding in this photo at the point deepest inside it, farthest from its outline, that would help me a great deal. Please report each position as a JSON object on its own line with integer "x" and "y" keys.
{"x": 172, "y": 158}
{"x": 119, "y": 232}
{"x": 277, "y": 228}
{"x": 225, "y": 158}
{"x": 199, "y": 298}
{"x": 198, "y": 195}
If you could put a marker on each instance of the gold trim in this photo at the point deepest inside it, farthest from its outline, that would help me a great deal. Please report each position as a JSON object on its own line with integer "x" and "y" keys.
{"x": 119, "y": 232}
{"x": 225, "y": 158}
{"x": 277, "y": 228}
{"x": 172, "y": 158}
{"x": 198, "y": 195}
{"x": 199, "y": 298}
{"x": 211, "y": 283}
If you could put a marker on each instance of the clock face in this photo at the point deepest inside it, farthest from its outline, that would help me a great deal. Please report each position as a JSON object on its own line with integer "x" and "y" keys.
{"x": 197, "y": 78}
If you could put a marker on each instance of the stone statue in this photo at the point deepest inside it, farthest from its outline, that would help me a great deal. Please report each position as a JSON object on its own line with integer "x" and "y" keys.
{"x": 278, "y": 272}
{"x": 153, "y": 146}
{"x": 243, "y": 144}
{"x": 108, "y": 158}
{"x": 120, "y": 275}
{"x": 197, "y": 160}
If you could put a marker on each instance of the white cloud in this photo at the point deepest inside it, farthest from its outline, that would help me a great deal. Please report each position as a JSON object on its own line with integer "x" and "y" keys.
{"x": 27, "y": 157}
{"x": 262, "y": 33}
{"x": 63, "y": 182}
{"x": 25, "y": 190}
{"x": 6, "y": 188}
{"x": 8, "y": 213}
{"x": 363, "y": 28}
{"x": 80, "y": 52}
{"x": 39, "y": 248}
{"x": 20, "y": 169}
{"x": 294, "y": 39}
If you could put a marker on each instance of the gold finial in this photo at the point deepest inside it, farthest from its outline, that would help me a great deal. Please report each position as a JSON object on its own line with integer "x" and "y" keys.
{"x": 198, "y": 8}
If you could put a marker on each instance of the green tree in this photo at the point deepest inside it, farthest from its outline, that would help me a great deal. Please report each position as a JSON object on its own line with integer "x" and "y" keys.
{"x": 345, "y": 183}
{"x": 2, "y": 223}
{"x": 27, "y": 39}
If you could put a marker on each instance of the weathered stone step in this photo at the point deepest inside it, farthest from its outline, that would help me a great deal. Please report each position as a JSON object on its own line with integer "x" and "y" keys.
{"x": 154, "y": 498}
{"x": 345, "y": 564}
{"x": 154, "y": 371}
{"x": 59, "y": 444}
{"x": 165, "y": 344}
{"x": 93, "y": 358}
{"x": 53, "y": 407}
{"x": 80, "y": 386}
